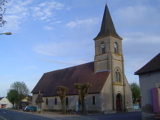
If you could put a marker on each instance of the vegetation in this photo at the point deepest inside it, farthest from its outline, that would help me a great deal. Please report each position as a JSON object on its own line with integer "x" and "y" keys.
{"x": 39, "y": 101}
{"x": 17, "y": 92}
{"x": 61, "y": 92}
{"x": 2, "y": 11}
{"x": 82, "y": 91}
{"x": 135, "y": 92}
{"x": 12, "y": 96}
{"x": 21, "y": 88}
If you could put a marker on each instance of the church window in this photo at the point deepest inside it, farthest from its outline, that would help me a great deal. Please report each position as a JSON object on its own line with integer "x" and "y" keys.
{"x": 115, "y": 47}
{"x": 93, "y": 100}
{"x": 55, "y": 101}
{"x": 46, "y": 101}
{"x": 103, "y": 49}
{"x": 66, "y": 100}
{"x": 117, "y": 76}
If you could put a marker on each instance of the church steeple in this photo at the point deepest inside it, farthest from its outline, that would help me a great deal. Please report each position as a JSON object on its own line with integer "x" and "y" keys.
{"x": 107, "y": 27}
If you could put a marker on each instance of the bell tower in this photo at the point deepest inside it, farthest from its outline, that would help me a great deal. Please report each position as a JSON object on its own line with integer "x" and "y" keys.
{"x": 108, "y": 46}
{"x": 109, "y": 57}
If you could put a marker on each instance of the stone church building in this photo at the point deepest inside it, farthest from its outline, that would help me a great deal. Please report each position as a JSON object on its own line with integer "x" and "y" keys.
{"x": 109, "y": 89}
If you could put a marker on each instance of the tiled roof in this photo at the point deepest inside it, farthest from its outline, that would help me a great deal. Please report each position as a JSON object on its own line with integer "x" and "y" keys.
{"x": 68, "y": 77}
{"x": 151, "y": 66}
{"x": 107, "y": 27}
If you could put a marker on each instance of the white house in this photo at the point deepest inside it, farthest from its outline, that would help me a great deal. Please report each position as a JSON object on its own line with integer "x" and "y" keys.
{"x": 149, "y": 78}
{"x": 4, "y": 103}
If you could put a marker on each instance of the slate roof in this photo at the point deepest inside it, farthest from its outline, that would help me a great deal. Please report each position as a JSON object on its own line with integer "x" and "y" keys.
{"x": 68, "y": 77}
{"x": 151, "y": 66}
{"x": 107, "y": 27}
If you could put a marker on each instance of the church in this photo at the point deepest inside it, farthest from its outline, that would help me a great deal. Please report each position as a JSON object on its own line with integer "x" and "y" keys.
{"x": 109, "y": 89}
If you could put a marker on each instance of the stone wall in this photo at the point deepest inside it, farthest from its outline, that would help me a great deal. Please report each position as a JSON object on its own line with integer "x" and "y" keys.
{"x": 72, "y": 102}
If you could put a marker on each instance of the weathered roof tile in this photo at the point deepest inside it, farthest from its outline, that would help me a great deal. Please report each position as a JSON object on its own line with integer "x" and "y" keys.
{"x": 68, "y": 77}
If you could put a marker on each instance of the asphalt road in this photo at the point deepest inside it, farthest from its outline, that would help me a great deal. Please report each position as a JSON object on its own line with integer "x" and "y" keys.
{"x": 13, "y": 115}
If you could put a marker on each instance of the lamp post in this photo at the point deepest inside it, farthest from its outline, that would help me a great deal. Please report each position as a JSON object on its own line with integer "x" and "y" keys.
{"x": 6, "y": 33}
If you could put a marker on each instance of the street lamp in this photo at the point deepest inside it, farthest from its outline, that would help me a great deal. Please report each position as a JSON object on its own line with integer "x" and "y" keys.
{"x": 6, "y": 33}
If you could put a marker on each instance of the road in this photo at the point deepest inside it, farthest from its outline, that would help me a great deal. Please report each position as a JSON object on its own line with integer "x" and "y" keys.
{"x": 13, "y": 115}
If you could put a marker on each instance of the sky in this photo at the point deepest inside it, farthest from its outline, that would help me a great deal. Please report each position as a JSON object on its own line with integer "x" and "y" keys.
{"x": 55, "y": 34}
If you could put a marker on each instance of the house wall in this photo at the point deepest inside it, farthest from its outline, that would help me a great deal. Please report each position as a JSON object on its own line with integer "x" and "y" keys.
{"x": 34, "y": 96}
{"x": 147, "y": 82}
{"x": 5, "y": 101}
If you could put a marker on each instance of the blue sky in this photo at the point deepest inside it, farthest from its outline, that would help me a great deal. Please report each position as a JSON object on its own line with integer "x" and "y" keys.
{"x": 55, "y": 34}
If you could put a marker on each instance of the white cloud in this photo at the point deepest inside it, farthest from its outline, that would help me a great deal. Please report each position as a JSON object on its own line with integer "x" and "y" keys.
{"x": 142, "y": 38}
{"x": 138, "y": 15}
{"x": 82, "y": 22}
{"x": 18, "y": 11}
{"x": 60, "y": 49}
{"x": 45, "y": 11}
{"x": 48, "y": 27}
{"x": 66, "y": 53}
{"x": 66, "y": 62}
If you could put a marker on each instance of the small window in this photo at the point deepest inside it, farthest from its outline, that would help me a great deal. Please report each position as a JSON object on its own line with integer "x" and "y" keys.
{"x": 55, "y": 101}
{"x": 79, "y": 102}
{"x": 117, "y": 76}
{"x": 103, "y": 49}
{"x": 93, "y": 100}
{"x": 66, "y": 100}
{"x": 46, "y": 101}
{"x": 115, "y": 47}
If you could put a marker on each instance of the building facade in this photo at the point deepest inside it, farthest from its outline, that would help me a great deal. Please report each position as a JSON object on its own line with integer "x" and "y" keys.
{"x": 4, "y": 103}
{"x": 109, "y": 89}
{"x": 149, "y": 78}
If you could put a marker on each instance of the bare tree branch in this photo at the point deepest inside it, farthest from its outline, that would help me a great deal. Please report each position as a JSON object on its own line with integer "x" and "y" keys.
{"x": 2, "y": 12}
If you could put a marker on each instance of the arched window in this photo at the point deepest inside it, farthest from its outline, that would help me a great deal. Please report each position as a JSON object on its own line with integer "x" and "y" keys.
{"x": 115, "y": 47}
{"x": 117, "y": 76}
{"x": 103, "y": 49}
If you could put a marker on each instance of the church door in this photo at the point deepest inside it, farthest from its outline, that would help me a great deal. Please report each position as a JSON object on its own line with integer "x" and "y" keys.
{"x": 119, "y": 102}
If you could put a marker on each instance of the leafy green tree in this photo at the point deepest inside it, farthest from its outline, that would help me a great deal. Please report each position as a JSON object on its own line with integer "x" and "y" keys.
{"x": 82, "y": 91}
{"x": 135, "y": 92}
{"x": 22, "y": 91}
{"x": 20, "y": 87}
{"x": 61, "y": 92}
{"x": 12, "y": 96}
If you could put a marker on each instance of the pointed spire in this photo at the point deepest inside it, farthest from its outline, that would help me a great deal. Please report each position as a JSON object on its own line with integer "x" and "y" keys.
{"x": 107, "y": 27}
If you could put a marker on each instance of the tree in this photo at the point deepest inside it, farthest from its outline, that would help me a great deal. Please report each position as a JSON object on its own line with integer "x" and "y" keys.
{"x": 21, "y": 89}
{"x": 2, "y": 11}
{"x": 82, "y": 91}
{"x": 61, "y": 92}
{"x": 12, "y": 96}
{"x": 39, "y": 101}
{"x": 135, "y": 92}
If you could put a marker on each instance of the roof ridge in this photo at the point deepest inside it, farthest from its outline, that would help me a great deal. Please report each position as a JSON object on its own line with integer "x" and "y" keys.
{"x": 152, "y": 62}
{"x": 68, "y": 67}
